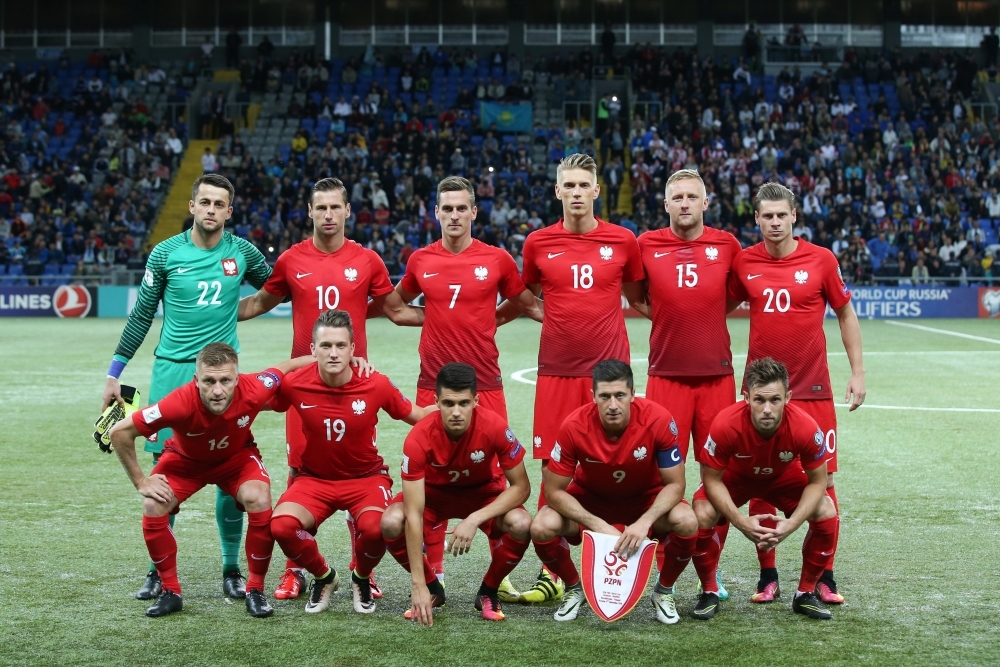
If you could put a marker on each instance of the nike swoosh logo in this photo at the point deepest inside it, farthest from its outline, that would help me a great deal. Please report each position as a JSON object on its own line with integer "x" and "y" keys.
{"x": 750, "y": 277}
{"x": 190, "y": 268}
{"x": 195, "y": 435}
{"x": 430, "y": 275}
{"x": 256, "y": 557}
{"x": 553, "y": 255}
{"x": 824, "y": 553}
{"x": 306, "y": 407}
{"x": 157, "y": 562}
{"x": 302, "y": 275}
{"x": 748, "y": 456}
{"x": 228, "y": 520}
{"x": 658, "y": 255}
{"x": 593, "y": 461}
{"x": 440, "y": 465}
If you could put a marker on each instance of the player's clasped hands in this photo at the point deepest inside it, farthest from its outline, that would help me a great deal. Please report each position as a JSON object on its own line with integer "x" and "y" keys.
{"x": 461, "y": 538}
{"x": 156, "y": 488}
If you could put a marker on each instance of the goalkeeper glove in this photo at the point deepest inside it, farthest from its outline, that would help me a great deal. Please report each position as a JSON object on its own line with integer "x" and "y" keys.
{"x": 113, "y": 414}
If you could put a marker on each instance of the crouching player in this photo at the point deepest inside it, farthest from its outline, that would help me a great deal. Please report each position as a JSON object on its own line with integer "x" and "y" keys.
{"x": 212, "y": 444}
{"x": 770, "y": 449}
{"x": 340, "y": 466}
{"x": 616, "y": 469}
{"x": 454, "y": 467}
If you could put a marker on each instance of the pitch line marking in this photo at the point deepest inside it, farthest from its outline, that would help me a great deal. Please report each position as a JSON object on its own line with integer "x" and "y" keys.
{"x": 947, "y": 332}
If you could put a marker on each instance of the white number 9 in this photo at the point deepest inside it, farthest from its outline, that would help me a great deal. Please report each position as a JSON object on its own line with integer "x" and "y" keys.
{"x": 619, "y": 475}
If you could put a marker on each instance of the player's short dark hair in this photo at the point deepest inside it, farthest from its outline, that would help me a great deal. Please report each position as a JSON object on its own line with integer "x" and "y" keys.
{"x": 334, "y": 319}
{"x": 612, "y": 370}
{"x": 215, "y": 180}
{"x": 764, "y": 371}
{"x": 328, "y": 185}
{"x": 457, "y": 377}
{"x": 457, "y": 184}
{"x": 774, "y": 192}
{"x": 217, "y": 354}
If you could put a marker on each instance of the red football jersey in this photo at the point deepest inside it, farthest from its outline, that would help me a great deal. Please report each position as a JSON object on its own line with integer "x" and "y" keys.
{"x": 478, "y": 459}
{"x": 687, "y": 283}
{"x": 734, "y": 445}
{"x": 340, "y": 422}
{"x": 200, "y": 435}
{"x": 460, "y": 305}
{"x": 623, "y": 468}
{"x": 581, "y": 277}
{"x": 319, "y": 281}
{"x": 788, "y": 298}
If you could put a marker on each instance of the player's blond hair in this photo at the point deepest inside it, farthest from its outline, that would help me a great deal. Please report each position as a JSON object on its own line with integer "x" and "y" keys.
{"x": 772, "y": 191}
{"x": 577, "y": 161}
{"x": 457, "y": 184}
{"x": 764, "y": 371}
{"x": 682, "y": 174}
{"x": 334, "y": 319}
{"x": 215, "y": 355}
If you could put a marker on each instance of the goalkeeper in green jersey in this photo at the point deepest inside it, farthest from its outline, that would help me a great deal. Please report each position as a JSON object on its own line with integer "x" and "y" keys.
{"x": 196, "y": 275}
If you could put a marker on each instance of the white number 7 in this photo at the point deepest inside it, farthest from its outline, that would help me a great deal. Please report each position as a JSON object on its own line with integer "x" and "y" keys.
{"x": 454, "y": 297}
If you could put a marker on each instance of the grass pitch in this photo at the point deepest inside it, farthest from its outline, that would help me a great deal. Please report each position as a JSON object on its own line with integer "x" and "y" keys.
{"x": 918, "y": 558}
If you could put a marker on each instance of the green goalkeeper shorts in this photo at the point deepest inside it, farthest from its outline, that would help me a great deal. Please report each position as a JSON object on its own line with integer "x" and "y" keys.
{"x": 167, "y": 376}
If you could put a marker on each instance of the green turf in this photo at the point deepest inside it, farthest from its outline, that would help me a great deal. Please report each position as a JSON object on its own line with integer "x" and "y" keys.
{"x": 918, "y": 557}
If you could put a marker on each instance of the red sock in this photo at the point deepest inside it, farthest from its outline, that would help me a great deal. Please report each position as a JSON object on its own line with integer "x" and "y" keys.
{"x": 821, "y": 539}
{"x": 541, "y": 495}
{"x": 352, "y": 528}
{"x": 722, "y": 531}
{"x": 757, "y": 506}
{"x": 289, "y": 563}
{"x": 369, "y": 546}
{"x": 832, "y": 492}
{"x": 706, "y": 558}
{"x": 434, "y": 537}
{"x": 397, "y": 548}
{"x": 661, "y": 547}
{"x": 259, "y": 545}
{"x": 162, "y": 549}
{"x": 298, "y": 544}
{"x": 555, "y": 555}
{"x": 506, "y": 555}
{"x": 677, "y": 550}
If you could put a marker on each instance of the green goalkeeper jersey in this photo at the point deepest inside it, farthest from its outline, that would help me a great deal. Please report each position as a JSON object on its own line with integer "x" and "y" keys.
{"x": 200, "y": 291}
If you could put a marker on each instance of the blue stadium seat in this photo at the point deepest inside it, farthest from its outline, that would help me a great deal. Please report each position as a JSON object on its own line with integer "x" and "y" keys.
{"x": 68, "y": 269}
{"x": 3, "y": 269}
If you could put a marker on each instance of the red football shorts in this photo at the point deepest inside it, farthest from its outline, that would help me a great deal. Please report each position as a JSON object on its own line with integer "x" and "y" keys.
{"x": 187, "y": 477}
{"x": 440, "y": 505}
{"x": 555, "y": 398}
{"x": 694, "y": 402}
{"x": 619, "y": 512}
{"x": 825, "y": 413}
{"x": 295, "y": 438}
{"x": 324, "y": 497}
{"x": 784, "y": 492}
{"x": 491, "y": 400}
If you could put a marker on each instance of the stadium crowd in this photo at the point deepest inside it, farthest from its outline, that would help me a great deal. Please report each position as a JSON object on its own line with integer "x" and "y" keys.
{"x": 84, "y": 164}
{"x": 893, "y": 171}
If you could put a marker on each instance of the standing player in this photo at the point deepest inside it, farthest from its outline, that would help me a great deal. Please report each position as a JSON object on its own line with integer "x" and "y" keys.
{"x": 687, "y": 267}
{"x": 196, "y": 275}
{"x": 788, "y": 283}
{"x": 464, "y": 464}
{"x": 460, "y": 278}
{"x": 616, "y": 469}
{"x": 340, "y": 467}
{"x": 770, "y": 449}
{"x": 212, "y": 444}
{"x": 325, "y": 272}
{"x": 580, "y": 266}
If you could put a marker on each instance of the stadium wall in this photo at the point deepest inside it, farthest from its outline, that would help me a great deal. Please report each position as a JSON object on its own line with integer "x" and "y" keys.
{"x": 870, "y": 302}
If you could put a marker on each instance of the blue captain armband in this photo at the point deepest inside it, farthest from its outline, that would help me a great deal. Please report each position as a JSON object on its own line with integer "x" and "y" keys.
{"x": 669, "y": 458}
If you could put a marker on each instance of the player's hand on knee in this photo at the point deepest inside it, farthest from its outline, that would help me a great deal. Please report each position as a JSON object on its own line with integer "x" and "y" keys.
{"x": 112, "y": 394}
{"x": 461, "y": 538}
{"x": 155, "y": 487}
{"x": 363, "y": 366}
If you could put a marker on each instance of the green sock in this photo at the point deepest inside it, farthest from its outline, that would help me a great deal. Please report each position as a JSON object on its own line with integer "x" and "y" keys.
{"x": 230, "y": 522}
{"x": 152, "y": 565}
